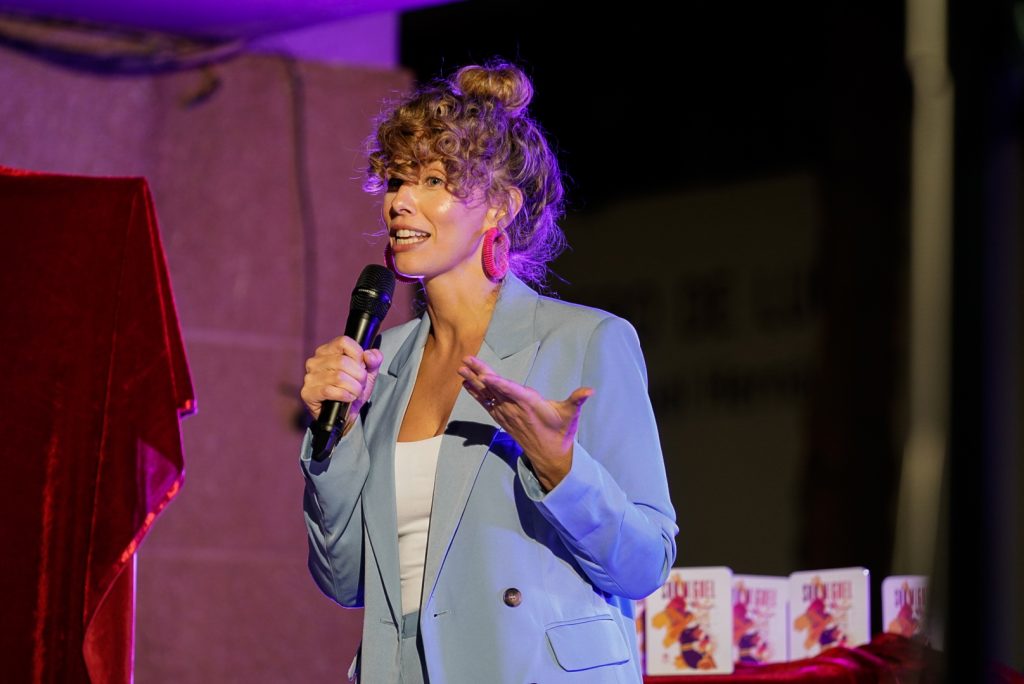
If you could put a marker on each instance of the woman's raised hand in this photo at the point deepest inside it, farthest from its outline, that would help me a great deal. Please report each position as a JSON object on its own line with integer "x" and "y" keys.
{"x": 340, "y": 370}
{"x": 544, "y": 428}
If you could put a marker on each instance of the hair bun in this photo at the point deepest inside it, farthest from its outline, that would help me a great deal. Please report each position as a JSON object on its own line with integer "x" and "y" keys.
{"x": 496, "y": 80}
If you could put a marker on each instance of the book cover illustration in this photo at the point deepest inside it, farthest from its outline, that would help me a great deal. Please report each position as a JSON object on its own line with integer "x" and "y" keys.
{"x": 688, "y": 625}
{"x": 760, "y": 624}
{"x": 641, "y": 634}
{"x": 828, "y": 608}
{"x": 904, "y": 598}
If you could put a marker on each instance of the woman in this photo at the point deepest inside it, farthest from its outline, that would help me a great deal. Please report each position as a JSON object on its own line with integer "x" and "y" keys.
{"x": 493, "y": 530}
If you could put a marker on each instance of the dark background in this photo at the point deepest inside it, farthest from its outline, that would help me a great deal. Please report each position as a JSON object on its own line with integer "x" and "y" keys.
{"x": 638, "y": 102}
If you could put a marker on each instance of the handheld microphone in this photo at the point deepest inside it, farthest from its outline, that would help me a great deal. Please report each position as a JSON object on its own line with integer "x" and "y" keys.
{"x": 371, "y": 300}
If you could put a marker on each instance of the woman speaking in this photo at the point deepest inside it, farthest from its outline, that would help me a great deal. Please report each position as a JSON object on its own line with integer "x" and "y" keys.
{"x": 498, "y": 498}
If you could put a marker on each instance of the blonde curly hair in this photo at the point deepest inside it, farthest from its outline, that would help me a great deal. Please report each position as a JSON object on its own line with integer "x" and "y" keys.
{"x": 476, "y": 124}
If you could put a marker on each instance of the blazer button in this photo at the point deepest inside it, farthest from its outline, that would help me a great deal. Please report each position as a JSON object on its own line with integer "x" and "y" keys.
{"x": 512, "y": 597}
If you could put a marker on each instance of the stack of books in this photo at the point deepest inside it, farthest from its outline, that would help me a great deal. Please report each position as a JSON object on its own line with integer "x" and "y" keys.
{"x": 705, "y": 620}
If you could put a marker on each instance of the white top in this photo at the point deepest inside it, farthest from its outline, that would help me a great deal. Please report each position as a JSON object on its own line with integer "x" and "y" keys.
{"x": 415, "y": 466}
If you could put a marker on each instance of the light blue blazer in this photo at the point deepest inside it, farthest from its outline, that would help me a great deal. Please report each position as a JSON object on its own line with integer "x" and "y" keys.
{"x": 575, "y": 557}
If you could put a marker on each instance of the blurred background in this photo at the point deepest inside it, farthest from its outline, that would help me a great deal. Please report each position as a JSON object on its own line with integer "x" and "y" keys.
{"x": 809, "y": 212}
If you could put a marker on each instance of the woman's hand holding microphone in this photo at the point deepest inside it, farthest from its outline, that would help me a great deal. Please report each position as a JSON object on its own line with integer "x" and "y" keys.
{"x": 340, "y": 370}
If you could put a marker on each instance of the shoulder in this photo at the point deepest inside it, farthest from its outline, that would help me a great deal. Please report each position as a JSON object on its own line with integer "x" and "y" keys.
{"x": 584, "y": 323}
{"x": 522, "y": 316}
{"x": 594, "y": 341}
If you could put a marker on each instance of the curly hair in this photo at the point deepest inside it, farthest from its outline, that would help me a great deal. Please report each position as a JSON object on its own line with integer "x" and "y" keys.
{"x": 476, "y": 124}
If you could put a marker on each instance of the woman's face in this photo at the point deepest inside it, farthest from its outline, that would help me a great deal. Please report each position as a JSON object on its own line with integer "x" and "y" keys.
{"x": 432, "y": 231}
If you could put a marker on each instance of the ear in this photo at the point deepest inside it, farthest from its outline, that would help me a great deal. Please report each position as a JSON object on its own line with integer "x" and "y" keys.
{"x": 505, "y": 212}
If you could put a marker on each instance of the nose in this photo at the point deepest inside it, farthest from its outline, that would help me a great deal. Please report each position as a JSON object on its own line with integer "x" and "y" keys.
{"x": 404, "y": 201}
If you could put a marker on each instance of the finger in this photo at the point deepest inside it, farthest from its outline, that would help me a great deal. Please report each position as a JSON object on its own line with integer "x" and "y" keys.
{"x": 485, "y": 398}
{"x": 571, "y": 406}
{"x": 308, "y": 398}
{"x": 345, "y": 393}
{"x": 481, "y": 372}
{"x": 476, "y": 394}
{"x": 350, "y": 378}
{"x": 354, "y": 368}
{"x": 477, "y": 366}
{"x": 330, "y": 354}
{"x": 342, "y": 344}
{"x": 373, "y": 358}
{"x": 488, "y": 402}
{"x": 489, "y": 393}
{"x": 324, "y": 360}
{"x": 470, "y": 378}
{"x": 339, "y": 347}
{"x": 316, "y": 390}
{"x": 580, "y": 396}
{"x": 475, "y": 389}
{"x": 504, "y": 389}
{"x": 349, "y": 347}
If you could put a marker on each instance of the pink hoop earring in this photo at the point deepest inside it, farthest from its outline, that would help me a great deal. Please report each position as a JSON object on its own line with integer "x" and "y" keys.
{"x": 389, "y": 261}
{"x": 495, "y": 254}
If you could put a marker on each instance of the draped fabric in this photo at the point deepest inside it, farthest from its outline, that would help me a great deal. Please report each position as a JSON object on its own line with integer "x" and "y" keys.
{"x": 95, "y": 381}
{"x": 888, "y": 659}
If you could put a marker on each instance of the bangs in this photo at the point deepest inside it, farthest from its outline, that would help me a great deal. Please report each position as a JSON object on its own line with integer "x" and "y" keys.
{"x": 404, "y": 150}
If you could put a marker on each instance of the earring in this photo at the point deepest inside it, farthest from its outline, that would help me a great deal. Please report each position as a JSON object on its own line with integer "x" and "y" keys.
{"x": 389, "y": 261}
{"x": 495, "y": 254}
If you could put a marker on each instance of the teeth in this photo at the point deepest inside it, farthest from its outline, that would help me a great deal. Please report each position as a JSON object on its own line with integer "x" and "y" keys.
{"x": 408, "y": 236}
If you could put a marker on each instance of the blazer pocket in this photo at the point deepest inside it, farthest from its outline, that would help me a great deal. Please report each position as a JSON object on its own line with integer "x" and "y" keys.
{"x": 588, "y": 643}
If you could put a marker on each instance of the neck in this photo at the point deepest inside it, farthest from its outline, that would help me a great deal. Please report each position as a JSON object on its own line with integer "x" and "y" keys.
{"x": 460, "y": 308}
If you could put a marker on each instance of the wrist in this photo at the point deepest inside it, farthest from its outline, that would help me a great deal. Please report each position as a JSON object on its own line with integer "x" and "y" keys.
{"x": 551, "y": 472}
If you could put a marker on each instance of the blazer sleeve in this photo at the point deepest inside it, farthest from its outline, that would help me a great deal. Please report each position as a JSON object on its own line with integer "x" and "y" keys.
{"x": 612, "y": 510}
{"x": 332, "y": 506}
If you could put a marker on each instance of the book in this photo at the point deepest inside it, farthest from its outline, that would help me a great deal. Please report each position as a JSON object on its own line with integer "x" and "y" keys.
{"x": 828, "y": 608}
{"x": 760, "y": 619}
{"x": 688, "y": 623}
{"x": 904, "y": 598}
{"x": 641, "y": 634}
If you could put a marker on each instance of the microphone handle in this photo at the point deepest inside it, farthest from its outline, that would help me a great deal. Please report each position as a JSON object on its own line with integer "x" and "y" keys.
{"x": 361, "y": 326}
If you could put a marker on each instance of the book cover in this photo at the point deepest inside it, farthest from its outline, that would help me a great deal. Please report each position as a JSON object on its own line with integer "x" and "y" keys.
{"x": 641, "y": 634}
{"x": 904, "y": 598}
{"x": 760, "y": 619}
{"x": 828, "y": 608}
{"x": 688, "y": 624}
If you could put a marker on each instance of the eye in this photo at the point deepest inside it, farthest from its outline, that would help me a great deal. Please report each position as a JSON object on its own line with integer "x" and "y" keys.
{"x": 394, "y": 184}
{"x": 434, "y": 181}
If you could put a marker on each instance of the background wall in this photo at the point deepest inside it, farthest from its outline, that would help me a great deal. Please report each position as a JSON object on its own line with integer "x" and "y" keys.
{"x": 241, "y": 180}
{"x": 719, "y": 281}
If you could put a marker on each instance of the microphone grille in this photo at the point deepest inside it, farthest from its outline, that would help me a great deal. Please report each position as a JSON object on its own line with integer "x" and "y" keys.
{"x": 373, "y": 291}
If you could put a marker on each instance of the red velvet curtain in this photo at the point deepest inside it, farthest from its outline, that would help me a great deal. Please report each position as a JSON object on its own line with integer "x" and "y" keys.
{"x": 96, "y": 380}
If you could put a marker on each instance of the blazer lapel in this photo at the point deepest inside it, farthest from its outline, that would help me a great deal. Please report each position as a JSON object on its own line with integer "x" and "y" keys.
{"x": 394, "y": 388}
{"x": 509, "y": 348}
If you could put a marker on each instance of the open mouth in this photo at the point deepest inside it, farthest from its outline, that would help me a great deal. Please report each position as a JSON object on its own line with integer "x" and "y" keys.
{"x": 406, "y": 236}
